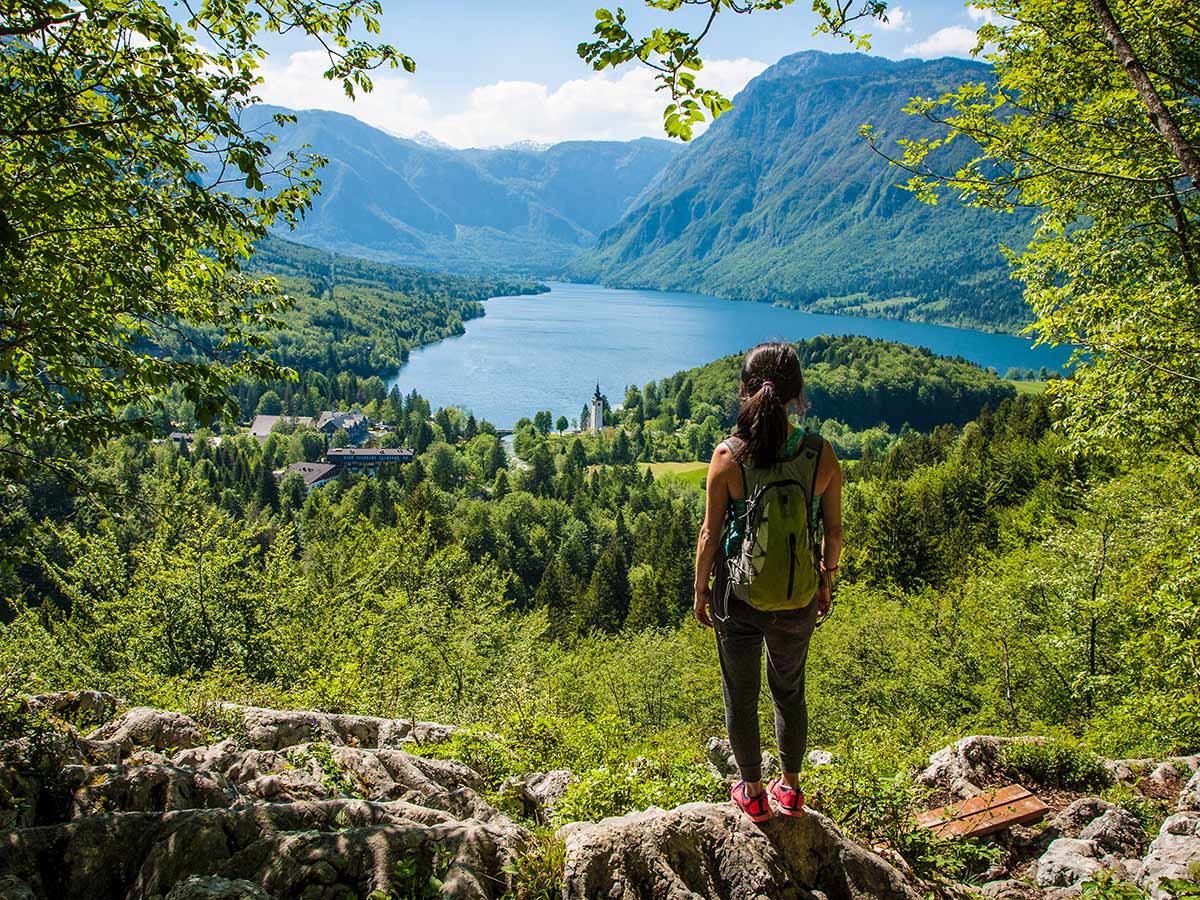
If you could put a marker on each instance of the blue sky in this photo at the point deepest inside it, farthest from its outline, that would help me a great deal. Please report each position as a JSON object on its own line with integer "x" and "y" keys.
{"x": 491, "y": 73}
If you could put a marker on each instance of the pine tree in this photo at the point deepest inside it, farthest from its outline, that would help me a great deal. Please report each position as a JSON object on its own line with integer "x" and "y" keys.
{"x": 539, "y": 478}
{"x": 607, "y": 603}
{"x": 577, "y": 457}
{"x": 414, "y": 474}
{"x": 267, "y": 491}
{"x": 501, "y": 489}
{"x": 647, "y": 608}
{"x": 555, "y": 594}
{"x": 621, "y": 536}
{"x": 496, "y": 459}
{"x": 620, "y": 448}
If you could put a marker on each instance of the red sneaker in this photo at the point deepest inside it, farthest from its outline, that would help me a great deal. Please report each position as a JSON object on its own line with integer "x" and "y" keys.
{"x": 790, "y": 799}
{"x": 757, "y": 808}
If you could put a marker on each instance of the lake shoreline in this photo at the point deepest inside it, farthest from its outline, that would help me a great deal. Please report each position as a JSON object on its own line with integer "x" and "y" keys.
{"x": 527, "y": 354}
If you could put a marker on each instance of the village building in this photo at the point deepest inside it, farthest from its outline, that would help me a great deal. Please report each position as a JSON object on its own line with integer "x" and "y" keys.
{"x": 314, "y": 474}
{"x": 262, "y": 426}
{"x": 367, "y": 460}
{"x": 354, "y": 422}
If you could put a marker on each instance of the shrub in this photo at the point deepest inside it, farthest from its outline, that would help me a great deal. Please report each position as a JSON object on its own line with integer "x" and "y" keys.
{"x": 1107, "y": 887}
{"x": 877, "y": 803}
{"x": 614, "y": 790}
{"x": 537, "y": 873}
{"x": 420, "y": 876}
{"x": 1056, "y": 763}
{"x": 1150, "y": 811}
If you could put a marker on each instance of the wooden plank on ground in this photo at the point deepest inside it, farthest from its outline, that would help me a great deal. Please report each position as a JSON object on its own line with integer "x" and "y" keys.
{"x": 990, "y": 811}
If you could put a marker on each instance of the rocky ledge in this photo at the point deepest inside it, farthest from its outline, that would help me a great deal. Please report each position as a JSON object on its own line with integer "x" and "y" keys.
{"x": 296, "y": 804}
{"x": 1089, "y": 835}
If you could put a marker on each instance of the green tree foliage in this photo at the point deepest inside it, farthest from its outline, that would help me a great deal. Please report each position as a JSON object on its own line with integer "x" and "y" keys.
{"x": 269, "y": 404}
{"x": 119, "y": 139}
{"x": 1114, "y": 265}
{"x": 674, "y": 54}
{"x": 607, "y": 602}
{"x": 863, "y": 382}
{"x": 539, "y": 477}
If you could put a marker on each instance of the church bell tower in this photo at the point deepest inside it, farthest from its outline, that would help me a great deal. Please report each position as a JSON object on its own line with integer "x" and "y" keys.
{"x": 597, "y": 409}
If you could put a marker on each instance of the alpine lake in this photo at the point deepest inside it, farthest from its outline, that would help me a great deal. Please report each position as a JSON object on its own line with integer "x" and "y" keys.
{"x": 549, "y": 351}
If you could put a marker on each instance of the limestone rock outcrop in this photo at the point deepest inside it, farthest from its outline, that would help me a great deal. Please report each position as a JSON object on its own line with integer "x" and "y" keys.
{"x": 287, "y": 805}
{"x": 966, "y": 765}
{"x": 722, "y": 764}
{"x": 145, "y": 727}
{"x": 1175, "y": 852}
{"x": 539, "y": 792}
{"x": 709, "y": 850}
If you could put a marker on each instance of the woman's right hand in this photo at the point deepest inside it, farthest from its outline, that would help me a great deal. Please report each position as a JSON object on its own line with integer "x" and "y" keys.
{"x": 701, "y": 606}
{"x": 824, "y": 596}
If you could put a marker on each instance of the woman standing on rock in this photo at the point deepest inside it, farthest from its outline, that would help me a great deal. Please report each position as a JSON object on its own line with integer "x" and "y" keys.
{"x": 770, "y": 577}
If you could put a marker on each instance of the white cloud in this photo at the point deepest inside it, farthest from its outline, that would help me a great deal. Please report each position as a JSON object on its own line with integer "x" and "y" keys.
{"x": 955, "y": 40}
{"x": 299, "y": 84}
{"x": 598, "y": 107}
{"x": 977, "y": 14}
{"x": 898, "y": 19}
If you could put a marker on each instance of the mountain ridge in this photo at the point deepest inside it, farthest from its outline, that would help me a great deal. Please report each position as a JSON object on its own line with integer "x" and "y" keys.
{"x": 758, "y": 206}
{"x": 500, "y": 211}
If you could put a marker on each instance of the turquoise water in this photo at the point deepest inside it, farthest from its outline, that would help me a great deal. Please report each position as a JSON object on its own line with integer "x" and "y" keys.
{"x": 549, "y": 351}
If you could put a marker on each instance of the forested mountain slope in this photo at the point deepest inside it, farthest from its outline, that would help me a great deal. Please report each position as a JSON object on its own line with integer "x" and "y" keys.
{"x": 354, "y": 315}
{"x": 859, "y": 381}
{"x": 782, "y": 201}
{"x": 503, "y": 210}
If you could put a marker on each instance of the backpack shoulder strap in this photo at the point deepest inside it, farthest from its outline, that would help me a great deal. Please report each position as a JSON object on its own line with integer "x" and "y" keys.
{"x": 805, "y": 463}
{"x": 733, "y": 442}
{"x": 812, "y": 439}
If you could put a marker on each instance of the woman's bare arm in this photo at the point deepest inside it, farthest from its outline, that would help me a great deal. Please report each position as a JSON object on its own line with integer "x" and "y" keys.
{"x": 829, "y": 480}
{"x": 715, "y": 504}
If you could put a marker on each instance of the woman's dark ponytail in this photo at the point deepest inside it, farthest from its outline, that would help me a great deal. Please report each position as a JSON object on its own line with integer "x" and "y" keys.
{"x": 771, "y": 379}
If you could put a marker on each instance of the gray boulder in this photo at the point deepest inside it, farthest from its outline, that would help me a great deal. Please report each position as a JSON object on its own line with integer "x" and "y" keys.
{"x": 722, "y": 764}
{"x": 322, "y": 771}
{"x": 1068, "y": 862}
{"x": 325, "y": 850}
{"x": 1128, "y": 771}
{"x": 709, "y": 850}
{"x": 967, "y": 764}
{"x": 1189, "y": 797}
{"x": 539, "y": 792}
{"x": 273, "y": 729}
{"x": 98, "y": 705}
{"x": 1079, "y": 814}
{"x": 1117, "y": 832}
{"x": 147, "y": 788}
{"x": 817, "y": 758}
{"x": 1165, "y": 781}
{"x": 211, "y": 887}
{"x": 146, "y": 727}
{"x": 1010, "y": 889}
{"x": 1175, "y": 853}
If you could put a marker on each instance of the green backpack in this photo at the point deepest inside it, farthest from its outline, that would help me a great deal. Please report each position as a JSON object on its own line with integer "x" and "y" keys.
{"x": 770, "y": 545}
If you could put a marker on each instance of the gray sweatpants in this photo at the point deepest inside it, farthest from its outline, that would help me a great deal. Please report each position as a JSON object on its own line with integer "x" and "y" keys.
{"x": 740, "y": 638}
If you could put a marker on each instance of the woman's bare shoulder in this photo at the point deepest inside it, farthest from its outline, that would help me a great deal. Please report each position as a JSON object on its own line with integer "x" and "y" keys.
{"x": 723, "y": 456}
{"x": 828, "y": 468}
